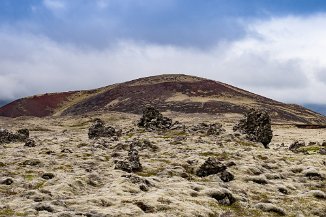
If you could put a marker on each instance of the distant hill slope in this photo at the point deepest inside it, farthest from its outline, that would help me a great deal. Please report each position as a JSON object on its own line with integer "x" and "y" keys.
{"x": 320, "y": 108}
{"x": 180, "y": 93}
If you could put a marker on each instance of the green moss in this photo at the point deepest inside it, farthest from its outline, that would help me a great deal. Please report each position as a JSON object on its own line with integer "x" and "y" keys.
{"x": 42, "y": 129}
{"x": 223, "y": 156}
{"x": 29, "y": 177}
{"x": 314, "y": 149}
{"x": 10, "y": 212}
{"x": 262, "y": 157}
{"x": 80, "y": 145}
{"x": 246, "y": 143}
{"x": 40, "y": 185}
{"x": 174, "y": 133}
{"x": 148, "y": 173}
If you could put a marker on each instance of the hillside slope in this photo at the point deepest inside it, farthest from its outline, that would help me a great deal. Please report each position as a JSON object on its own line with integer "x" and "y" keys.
{"x": 179, "y": 93}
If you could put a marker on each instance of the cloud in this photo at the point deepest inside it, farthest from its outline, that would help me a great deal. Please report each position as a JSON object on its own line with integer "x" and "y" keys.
{"x": 281, "y": 58}
{"x": 54, "y": 5}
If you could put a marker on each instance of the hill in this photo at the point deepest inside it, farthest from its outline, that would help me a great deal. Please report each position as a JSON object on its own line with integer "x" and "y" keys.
{"x": 178, "y": 93}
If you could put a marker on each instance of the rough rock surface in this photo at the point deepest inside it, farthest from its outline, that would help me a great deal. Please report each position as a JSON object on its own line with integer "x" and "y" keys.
{"x": 152, "y": 119}
{"x": 8, "y": 137}
{"x": 75, "y": 176}
{"x": 132, "y": 163}
{"x": 210, "y": 166}
{"x": 296, "y": 145}
{"x": 98, "y": 129}
{"x": 208, "y": 129}
{"x": 257, "y": 126}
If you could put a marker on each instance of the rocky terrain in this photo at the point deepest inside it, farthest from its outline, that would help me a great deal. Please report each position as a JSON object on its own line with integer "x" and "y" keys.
{"x": 160, "y": 164}
{"x": 178, "y": 93}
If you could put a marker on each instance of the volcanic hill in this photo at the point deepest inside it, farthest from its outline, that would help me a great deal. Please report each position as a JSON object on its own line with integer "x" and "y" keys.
{"x": 174, "y": 92}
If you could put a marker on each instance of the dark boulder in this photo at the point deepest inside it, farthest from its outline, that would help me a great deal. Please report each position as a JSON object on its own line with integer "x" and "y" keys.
{"x": 210, "y": 166}
{"x": 257, "y": 126}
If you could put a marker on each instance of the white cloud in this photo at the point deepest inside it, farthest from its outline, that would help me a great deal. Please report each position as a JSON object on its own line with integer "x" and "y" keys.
{"x": 280, "y": 58}
{"x": 54, "y": 5}
{"x": 102, "y": 4}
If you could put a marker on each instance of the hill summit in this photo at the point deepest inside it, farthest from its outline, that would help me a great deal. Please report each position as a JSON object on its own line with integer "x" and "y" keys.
{"x": 170, "y": 92}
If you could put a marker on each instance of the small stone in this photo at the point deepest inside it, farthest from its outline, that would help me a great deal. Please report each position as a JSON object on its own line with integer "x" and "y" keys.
{"x": 66, "y": 150}
{"x": 30, "y": 143}
{"x": 48, "y": 176}
{"x": 322, "y": 151}
{"x": 282, "y": 189}
{"x": 7, "y": 181}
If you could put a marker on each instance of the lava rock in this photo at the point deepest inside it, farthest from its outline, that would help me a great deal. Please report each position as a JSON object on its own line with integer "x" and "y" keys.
{"x": 30, "y": 143}
{"x": 294, "y": 147}
{"x": 7, "y": 181}
{"x": 210, "y": 166}
{"x": 44, "y": 207}
{"x": 152, "y": 119}
{"x": 31, "y": 162}
{"x": 48, "y": 176}
{"x": 322, "y": 151}
{"x": 223, "y": 196}
{"x": 208, "y": 129}
{"x": 8, "y": 137}
{"x": 143, "y": 144}
{"x": 24, "y": 133}
{"x": 313, "y": 174}
{"x": 132, "y": 164}
{"x": 226, "y": 176}
{"x": 257, "y": 126}
{"x": 98, "y": 129}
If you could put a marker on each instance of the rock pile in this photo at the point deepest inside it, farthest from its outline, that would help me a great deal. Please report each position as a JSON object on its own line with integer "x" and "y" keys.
{"x": 98, "y": 129}
{"x": 208, "y": 129}
{"x": 152, "y": 119}
{"x": 8, "y": 137}
{"x": 132, "y": 163}
{"x": 257, "y": 126}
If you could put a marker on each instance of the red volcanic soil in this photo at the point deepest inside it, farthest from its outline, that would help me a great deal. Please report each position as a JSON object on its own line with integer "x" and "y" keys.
{"x": 37, "y": 106}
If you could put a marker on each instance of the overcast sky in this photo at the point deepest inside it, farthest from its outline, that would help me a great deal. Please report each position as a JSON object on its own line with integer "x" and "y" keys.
{"x": 276, "y": 48}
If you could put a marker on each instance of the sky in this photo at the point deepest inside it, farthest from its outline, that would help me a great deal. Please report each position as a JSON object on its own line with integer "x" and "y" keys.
{"x": 275, "y": 48}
